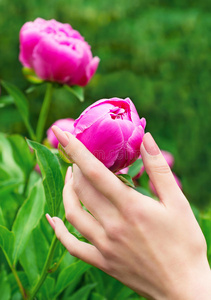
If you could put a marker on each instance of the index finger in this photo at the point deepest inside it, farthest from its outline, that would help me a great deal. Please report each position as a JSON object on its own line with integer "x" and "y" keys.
{"x": 94, "y": 170}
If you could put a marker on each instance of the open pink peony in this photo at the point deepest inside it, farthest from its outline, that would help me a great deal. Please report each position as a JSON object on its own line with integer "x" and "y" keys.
{"x": 56, "y": 52}
{"x": 112, "y": 130}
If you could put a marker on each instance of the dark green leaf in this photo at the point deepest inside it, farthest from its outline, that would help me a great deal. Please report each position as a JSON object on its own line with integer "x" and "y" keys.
{"x": 76, "y": 90}
{"x": 2, "y": 220}
{"x": 127, "y": 179}
{"x": 27, "y": 218}
{"x": 6, "y": 100}
{"x": 135, "y": 168}
{"x": 22, "y": 154}
{"x": 96, "y": 296}
{"x": 7, "y": 243}
{"x": 124, "y": 293}
{"x": 34, "y": 255}
{"x": 4, "y": 286}
{"x": 47, "y": 289}
{"x": 143, "y": 191}
{"x": 21, "y": 103}
{"x": 82, "y": 293}
{"x": 69, "y": 274}
{"x": 52, "y": 177}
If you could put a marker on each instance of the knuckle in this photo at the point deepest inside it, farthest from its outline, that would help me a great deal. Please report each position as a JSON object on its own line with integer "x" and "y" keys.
{"x": 160, "y": 168}
{"x": 70, "y": 215}
{"x": 115, "y": 230}
{"x": 93, "y": 172}
{"x": 106, "y": 249}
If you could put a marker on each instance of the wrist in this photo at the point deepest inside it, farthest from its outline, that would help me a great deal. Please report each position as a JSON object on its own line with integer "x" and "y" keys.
{"x": 193, "y": 286}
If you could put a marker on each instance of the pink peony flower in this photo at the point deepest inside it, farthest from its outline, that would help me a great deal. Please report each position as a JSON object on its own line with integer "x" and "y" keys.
{"x": 56, "y": 52}
{"x": 168, "y": 157}
{"x": 64, "y": 124}
{"x": 112, "y": 130}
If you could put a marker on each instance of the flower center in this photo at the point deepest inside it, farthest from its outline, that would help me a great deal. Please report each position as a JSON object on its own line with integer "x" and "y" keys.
{"x": 117, "y": 113}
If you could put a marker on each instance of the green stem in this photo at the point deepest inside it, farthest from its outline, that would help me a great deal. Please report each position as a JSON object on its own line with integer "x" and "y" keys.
{"x": 46, "y": 267}
{"x": 23, "y": 293}
{"x": 30, "y": 131}
{"x": 44, "y": 112}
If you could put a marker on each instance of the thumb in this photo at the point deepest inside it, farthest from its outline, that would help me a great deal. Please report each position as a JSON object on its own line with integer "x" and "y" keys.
{"x": 159, "y": 171}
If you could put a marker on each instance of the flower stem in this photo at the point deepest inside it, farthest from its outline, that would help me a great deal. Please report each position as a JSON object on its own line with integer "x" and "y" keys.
{"x": 21, "y": 288}
{"x": 44, "y": 112}
{"x": 46, "y": 267}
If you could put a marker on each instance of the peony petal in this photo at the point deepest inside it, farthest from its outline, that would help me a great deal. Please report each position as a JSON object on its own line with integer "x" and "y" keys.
{"x": 28, "y": 40}
{"x": 168, "y": 157}
{"x": 134, "y": 144}
{"x": 104, "y": 139}
{"x": 55, "y": 62}
{"x": 64, "y": 124}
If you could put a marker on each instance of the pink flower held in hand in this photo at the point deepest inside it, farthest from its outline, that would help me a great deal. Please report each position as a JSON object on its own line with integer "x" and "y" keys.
{"x": 56, "y": 52}
{"x": 64, "y": 124}
{"x": 112, "y": 130}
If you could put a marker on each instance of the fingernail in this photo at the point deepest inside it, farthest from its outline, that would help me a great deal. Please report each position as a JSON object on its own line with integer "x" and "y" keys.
{"x": 150, "y": 145}
{"x": 68, "y": 174}
{"x": 60, "y": 135}
{"x": 50, "y": 221}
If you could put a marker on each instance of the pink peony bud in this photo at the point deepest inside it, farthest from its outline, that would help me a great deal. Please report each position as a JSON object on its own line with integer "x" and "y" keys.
{"x": 112, "y": 130}
{"x": 64, "y": 124}
{"x": 56, "y": 52}
{"x": 168, "y": 157}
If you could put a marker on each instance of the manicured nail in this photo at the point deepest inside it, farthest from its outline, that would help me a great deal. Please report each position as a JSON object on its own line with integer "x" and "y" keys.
{"x": 60, "y": 135}
{"x": 150, "y": 145}
{"x": 50, "y": 221}
{"x": 68, "y": 174}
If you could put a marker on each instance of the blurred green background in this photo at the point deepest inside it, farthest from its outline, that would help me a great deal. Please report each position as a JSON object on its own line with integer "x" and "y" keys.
{"x": 155, "y": 52}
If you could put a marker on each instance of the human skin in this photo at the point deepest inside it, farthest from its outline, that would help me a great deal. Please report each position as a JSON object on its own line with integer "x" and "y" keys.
{"x": 154, "y": 247}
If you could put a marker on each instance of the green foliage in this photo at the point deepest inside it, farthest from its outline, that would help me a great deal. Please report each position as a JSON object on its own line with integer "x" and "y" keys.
{"x": 52, "y": 176}
{"x": 155, "y": 52}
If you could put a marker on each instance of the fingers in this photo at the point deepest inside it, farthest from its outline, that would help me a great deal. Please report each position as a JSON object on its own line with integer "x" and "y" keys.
{"x": 159, "y": 172}
{"x": 84, "y": 251}
{"x": 83, "y": 221}
{"x": 100, "y": 207}
{"x": 98, "y": 175}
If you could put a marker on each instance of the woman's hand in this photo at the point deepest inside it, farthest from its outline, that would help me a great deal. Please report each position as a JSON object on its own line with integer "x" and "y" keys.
{"x": 154, "y": 247}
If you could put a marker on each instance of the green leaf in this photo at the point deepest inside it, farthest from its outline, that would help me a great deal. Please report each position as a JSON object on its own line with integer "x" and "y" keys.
{"x": 21, "y": 103}
{"x": 4, "y": 286}
{"x": 52, "y": 176}
{"x": 135, "y": 168}
{"x": 127, "y": 179}
{"x": 31, "y": 76}
{"x": 47, "y": 289}
{"x": 76, "y": 90}
{"x": 63, "y": 155}
{"x": 27, "y": 218}
{"x": 22, "y": 154}
{"x": 96, "y": 296}
{"x": 69, "y": 274}
{"x": 82, "y": 293}
{"x": 6, "y": 100}
{"x": 34, "y": 255}
{"x": 124, "y": 293}
{"x": 7, "y": 243}
{"x": 143, "y": 191}
{"x": 2, "y": 219}
{"x": 14, "y": 286}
